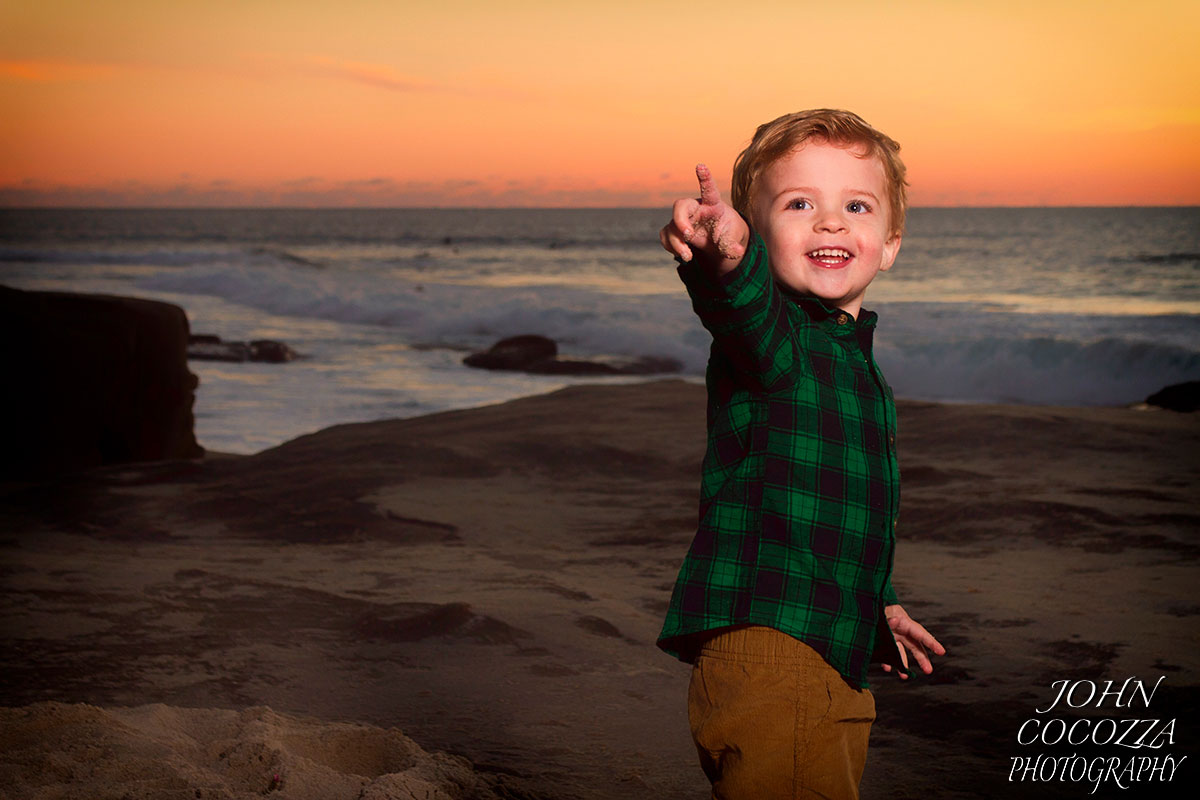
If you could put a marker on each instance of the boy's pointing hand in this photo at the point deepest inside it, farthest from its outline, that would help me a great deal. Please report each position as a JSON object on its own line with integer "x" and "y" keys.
{"x": 706, "y": 225}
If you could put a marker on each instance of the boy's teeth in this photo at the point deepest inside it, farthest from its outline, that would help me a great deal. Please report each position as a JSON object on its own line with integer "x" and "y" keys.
{"x": 832, "y": 253}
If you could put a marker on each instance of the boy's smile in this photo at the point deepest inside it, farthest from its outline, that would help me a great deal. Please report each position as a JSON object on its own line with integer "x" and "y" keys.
{"x": 823, "y": 213}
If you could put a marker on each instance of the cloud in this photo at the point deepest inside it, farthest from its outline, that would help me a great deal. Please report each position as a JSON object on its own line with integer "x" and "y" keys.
{"x": 313, "y": 192}
{"x": 54, "y": 71}
{"x": 380, "y": 76}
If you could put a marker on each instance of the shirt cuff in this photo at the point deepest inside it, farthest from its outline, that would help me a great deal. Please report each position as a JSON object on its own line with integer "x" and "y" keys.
{"x": 710, "y": 289}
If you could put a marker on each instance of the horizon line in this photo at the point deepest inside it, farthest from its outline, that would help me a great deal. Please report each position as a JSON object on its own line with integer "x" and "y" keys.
{"x": 263, "y": 207}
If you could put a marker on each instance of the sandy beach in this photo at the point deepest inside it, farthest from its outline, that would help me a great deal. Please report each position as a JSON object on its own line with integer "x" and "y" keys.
{"x": 465, "y": 605}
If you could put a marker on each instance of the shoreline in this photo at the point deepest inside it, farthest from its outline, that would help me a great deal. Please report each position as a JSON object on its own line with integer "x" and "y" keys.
{"x": 490, "y": 581}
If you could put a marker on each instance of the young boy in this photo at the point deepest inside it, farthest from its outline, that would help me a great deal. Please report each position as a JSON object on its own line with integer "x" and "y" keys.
{"x": 785, "y": 594}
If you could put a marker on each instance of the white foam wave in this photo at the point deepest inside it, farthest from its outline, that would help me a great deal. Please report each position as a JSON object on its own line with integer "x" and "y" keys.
{"x": 928, "y": 350}
{"x": 1039, "y": 370}
{"x": 584, "y": 321}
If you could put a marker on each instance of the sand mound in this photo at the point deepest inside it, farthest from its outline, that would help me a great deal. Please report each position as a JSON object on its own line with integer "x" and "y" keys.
{"x": 53, "y": 750}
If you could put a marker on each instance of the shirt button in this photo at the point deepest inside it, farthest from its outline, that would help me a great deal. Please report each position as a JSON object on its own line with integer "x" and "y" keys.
{"x": 891, "y": 438}
{"x": 843, "y": 318}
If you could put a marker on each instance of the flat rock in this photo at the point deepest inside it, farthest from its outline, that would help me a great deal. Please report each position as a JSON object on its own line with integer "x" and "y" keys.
{"x": 539, "y": 355}
{"x": 208, "y": 347}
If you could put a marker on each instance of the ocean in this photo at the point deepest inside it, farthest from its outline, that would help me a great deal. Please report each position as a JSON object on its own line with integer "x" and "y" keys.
{"x": 1065, "y": 306}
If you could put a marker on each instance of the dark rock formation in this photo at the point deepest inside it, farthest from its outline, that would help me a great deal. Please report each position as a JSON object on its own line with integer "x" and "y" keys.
{"x": 1177, "y": 397}
{"x": 203, "y": 348}
{"x": 92, "y": 380}
{"x": 539, "y": 355}
{"x": 271, "y": 351}
{"x": 207, "y": 347}
{"x": 514, "y": 353}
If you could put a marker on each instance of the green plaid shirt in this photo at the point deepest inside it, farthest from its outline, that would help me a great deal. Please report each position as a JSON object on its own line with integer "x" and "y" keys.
{"x": 800, "y": 486}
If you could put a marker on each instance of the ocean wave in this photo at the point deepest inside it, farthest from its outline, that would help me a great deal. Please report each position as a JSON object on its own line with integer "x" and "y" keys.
{"x": 936, "y": 351}
{"x": 584, "y": 321}
{"x": 285, "y": 256}
{"x": 1044, "y": 370}
{"x": 173, "y": 257}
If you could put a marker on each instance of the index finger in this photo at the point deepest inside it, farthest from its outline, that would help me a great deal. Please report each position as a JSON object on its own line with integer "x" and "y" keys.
{"x": 710, "y": 195}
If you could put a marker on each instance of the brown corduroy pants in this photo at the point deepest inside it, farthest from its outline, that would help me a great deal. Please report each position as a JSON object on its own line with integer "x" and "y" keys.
{"x": 771, "y": 719}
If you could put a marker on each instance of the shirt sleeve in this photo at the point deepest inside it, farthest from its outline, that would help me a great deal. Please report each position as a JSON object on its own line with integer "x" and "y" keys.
{"x": 747, "y": 317}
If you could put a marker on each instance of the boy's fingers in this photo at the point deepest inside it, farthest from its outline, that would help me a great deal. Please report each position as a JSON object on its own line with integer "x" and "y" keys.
{"x": 924, "y": 638}
{"x": 906, "y": 625}
{"x": 934, "y": 645}
{"x": 703, "y": 224}
{"x": 922, "y": 659}
{"x": 903, "y": 661}
{"x": 673, "y": 244}
{"x": 912, "y": 637}
{"x": 683, "y": 217}
{"x": 710, "y": 195}
{"x": 662, "y": 238}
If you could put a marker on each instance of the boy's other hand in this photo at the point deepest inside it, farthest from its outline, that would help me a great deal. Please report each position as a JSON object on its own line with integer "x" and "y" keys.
{"x": 911, "y": 637}
{"x": 706, "y": 225}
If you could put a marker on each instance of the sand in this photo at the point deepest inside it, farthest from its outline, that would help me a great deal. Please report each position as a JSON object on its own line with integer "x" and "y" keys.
{"x": 490, "y": 583}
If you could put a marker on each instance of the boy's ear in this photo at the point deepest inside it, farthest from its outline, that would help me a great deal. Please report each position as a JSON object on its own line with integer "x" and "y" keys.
{"x": 890, "y": 249}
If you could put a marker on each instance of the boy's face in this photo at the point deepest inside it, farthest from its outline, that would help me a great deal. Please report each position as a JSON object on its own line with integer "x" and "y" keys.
{"x": 823, "y": 213}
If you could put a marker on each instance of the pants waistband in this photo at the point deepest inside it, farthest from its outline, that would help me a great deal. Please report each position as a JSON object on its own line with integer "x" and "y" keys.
{"x": 759, "y": 644}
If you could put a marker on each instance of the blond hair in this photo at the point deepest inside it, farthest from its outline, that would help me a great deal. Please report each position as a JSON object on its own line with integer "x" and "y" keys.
{"x": 776, "y": 139}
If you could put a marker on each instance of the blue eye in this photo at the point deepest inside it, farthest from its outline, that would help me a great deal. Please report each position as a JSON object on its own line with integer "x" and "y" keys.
{"x": 799, "y": 205}
{"x": 858, "y": 207}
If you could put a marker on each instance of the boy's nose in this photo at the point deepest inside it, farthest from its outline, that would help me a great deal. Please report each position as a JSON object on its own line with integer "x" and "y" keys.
{"x": 829, "y": 222}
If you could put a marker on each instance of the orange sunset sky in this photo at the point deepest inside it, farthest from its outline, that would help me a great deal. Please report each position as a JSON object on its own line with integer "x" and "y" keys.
{"x": 258, "y": 102}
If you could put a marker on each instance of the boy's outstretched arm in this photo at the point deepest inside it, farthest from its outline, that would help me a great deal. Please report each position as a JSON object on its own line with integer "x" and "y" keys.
{"x": 706, "y": 225}
{"x": 911, "y": 637}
